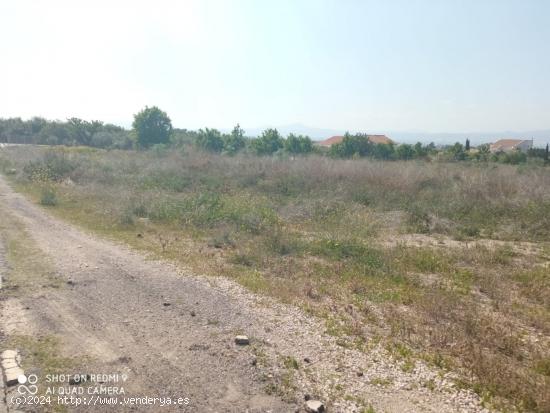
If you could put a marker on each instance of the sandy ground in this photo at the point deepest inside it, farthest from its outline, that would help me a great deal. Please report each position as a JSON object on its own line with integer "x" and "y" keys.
{"x": 172, "y": 334}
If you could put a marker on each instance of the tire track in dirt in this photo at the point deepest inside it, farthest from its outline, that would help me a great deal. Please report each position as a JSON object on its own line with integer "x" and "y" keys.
{"x": 115, "y": 311}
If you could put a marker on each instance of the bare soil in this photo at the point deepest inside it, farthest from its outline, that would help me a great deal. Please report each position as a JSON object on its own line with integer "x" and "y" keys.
{"x": 172, "y": 333}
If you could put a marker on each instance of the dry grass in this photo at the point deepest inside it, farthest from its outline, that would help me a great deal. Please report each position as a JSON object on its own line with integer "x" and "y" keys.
{"x": 314, "y": 232}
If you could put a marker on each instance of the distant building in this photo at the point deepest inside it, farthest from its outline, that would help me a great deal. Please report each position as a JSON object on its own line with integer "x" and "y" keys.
{"x": 508, "y": 145}
{"x": 337, "y": 139}
{"x": 330, "y": 141}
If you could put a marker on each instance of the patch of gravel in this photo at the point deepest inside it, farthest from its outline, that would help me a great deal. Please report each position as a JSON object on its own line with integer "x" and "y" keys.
{"x": 442, "y": 241}
{"x": 348, "y": 379}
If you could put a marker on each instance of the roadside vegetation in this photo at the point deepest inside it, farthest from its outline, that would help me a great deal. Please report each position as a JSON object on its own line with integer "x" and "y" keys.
{"x": 27, "y": 265}
{"x": 152, "y": 128}
{"x": 447, "y": 262}
{"x": 30, "y": 274}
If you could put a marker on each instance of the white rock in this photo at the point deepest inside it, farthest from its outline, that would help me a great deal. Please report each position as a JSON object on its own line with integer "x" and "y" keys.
{"x": 9, "y": 354}
{"x": 9, "y": 363}
{"x": 314, "y": 406}
{"x": 242, "y": 340}
{"x": 12, "y": 375}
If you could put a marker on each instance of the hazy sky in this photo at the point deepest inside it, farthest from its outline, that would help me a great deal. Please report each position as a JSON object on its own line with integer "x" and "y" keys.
{"x": 433, "y": 65}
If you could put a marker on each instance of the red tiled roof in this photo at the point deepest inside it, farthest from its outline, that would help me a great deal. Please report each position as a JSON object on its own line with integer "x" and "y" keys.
{"x": 373, "y": 138}
{"x": 331, "y": 141}
{"x": 379, "y": 139}
{"x": 506, "y": 143}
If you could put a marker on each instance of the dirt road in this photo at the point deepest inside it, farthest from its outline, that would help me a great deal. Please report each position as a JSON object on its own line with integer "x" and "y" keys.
{"x": 172, "y": 334}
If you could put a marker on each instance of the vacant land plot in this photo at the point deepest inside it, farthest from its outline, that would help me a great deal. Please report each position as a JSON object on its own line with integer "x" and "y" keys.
{"x": 448, "y": 263}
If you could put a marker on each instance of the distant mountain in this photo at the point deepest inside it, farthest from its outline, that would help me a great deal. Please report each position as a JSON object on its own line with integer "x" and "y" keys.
{"x": 540, "y": 137}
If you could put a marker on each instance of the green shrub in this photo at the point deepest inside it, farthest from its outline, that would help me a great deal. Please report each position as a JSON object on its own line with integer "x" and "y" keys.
{"x": 48, "y": 197}
{"x": 469, "y": 231}
{"x": 352, "y": 250}
{"x": 242, "y": 259}
{"x": 418, "y": 220}
{"x": 54, "y": 166}
{"x": 514, "y": 157}
{"x": 422, "y": 259}
{"x": 291, "y": 363}
{"x": 221, "y": 241}
{"x": 169, "y": 180}
{"x": 362, "y": 197}
{"x": 282, "y": 244}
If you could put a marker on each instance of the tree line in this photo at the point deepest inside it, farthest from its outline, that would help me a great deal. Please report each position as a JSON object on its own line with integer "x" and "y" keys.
{"x": 153, "y": 128}
{"x": 72, "y": 132}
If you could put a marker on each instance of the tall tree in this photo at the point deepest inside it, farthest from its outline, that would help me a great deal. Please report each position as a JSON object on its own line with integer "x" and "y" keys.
{"x": 405, "y": 151}
{"x": 210, "y": 140}
{"x": 152, "y": 126}
{"x": 235, "y": 141}
{"x": 467, "y": 146}
{"x": 82, "y": 130}
{"x": 268, "y": 143}
{"x": 298, "y": 144}
{"x": 546, "y": 153}
{"x": 419, "y": 150}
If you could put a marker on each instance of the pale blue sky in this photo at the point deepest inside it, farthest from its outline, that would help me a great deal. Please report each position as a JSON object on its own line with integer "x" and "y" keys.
{"x": 432, "y": 65}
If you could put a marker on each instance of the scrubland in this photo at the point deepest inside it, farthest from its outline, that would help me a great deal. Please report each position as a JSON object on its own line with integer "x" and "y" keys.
{"x": 444, "y": 262}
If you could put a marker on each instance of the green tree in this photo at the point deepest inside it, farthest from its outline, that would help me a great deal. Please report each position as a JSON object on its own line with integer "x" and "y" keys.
{"x": 102, "y": 140}
{"x": 483, "y": 152}
{"x": 182, "y": 137}
{"x": 467, "y": 146}
{"x": 55, "y": 133}
{"x": 431, "y": 148}
{"x": 152, "y": 126}
{"x": 420, "y": 151}
{"x": 74, "y": 131}
{"x": 383, "y": 151}
{"x": 235, "y": 141}
{"x": 36, "y": 124}
{"x": 405, "y": 151}
{"x": 210, "y": 140}
{"x": 268, "y": 143}
{"x": 536, "y": 153}
{"x": 82, "y": 131}
{"x": 514, "y": 157}
{"x": 546, "y": 153}
{"x": 298, "y": 145}
{"x": 352, "y": 145}
{"x": 457, "y": 152}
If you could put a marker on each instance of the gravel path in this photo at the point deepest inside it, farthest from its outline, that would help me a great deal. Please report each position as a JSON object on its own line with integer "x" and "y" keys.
{"x": 172, "y": 333}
